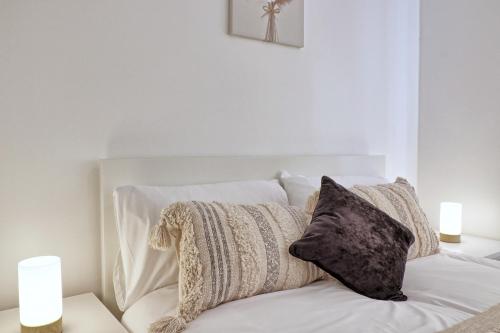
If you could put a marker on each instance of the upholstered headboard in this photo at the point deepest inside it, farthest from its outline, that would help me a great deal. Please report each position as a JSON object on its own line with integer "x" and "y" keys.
{"x": 199, "y": 170}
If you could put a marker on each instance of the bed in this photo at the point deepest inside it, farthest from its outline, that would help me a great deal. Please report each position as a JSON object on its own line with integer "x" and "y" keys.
{"x": 443, "y": 289}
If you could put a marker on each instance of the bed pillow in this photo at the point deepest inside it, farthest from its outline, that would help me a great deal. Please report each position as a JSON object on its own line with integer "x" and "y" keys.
{"x": 399, "y": 200}
{"x": 299, "y": 188}
{"x": 357, "y": 243}
{"x": 228, "y": 252}
{"x": 139, "y": 269}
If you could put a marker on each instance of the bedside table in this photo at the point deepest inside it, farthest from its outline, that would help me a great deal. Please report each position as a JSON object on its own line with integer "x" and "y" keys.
{"x": 81, "y": 314}
{"x": 475, "y": 246}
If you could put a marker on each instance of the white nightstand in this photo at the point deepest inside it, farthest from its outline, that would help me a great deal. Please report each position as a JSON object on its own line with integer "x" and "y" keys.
{"x": 81, "y": 314}
{"x": 475, "y": 246}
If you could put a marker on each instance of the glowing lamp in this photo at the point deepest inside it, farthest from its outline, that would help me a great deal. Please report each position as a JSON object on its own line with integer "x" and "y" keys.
{"x": 40, "y": 295}
{"x": 450, "y": 222}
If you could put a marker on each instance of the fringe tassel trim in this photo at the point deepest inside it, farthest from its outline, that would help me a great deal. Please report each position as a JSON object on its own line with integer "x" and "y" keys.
{"x": 168, "y": 325}
{"x": 176, "y": 223}
{"x": 169, "y": 226}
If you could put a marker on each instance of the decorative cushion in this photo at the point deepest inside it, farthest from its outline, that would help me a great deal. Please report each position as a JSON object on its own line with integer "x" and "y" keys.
{"x": 357, "y": 243}
{"x": 399, "y": 200}
{"x": 228, "y": 252}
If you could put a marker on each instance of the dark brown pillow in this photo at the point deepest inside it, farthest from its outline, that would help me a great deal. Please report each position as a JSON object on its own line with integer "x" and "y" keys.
{"x": 357, "y": 243}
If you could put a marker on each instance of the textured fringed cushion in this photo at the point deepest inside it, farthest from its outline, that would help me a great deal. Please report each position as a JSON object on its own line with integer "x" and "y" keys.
{"x": 356, "y": 243}
{"x": 228, "y": 252}
{"x": 398, "y": 200}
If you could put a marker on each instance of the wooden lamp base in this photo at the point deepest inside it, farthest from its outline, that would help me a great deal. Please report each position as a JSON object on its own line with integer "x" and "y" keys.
{"x": 449, "y": 238}
{"x": 55, "y": 327}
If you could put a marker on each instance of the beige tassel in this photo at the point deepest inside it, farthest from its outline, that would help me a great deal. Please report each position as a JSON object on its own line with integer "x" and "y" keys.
{"x": 402, "y": 180}
{"x": 160, "y": 237}
{"x": 172, "y": 217}
{"x": 168, "y": 325}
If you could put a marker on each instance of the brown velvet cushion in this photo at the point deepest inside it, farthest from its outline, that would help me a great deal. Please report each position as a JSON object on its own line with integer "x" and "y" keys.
{"x": 356, "y": 243}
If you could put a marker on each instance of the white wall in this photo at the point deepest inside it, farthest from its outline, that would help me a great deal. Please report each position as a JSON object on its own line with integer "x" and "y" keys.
{"x": 459, "y": 141}
{"x": 85, "y": 80}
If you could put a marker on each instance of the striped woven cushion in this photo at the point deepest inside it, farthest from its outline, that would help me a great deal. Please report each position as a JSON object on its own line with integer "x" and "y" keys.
{"x": 228, "y": 252}
{"x": 399, "y": 200}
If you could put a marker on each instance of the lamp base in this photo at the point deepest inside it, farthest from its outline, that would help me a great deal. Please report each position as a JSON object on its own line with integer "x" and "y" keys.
{"x": 55, "y": 327}
{"x": 449, "y": 238}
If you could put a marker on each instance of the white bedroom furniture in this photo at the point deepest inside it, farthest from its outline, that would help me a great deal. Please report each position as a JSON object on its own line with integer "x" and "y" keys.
{"x": 443, "y": 289}
{"x": 450, "y": 222}
{"x": 40, "y": 294}
{"x": 474, "y": 246}
{"x": 82, "y": 314}
{"x": 205, "y": 170}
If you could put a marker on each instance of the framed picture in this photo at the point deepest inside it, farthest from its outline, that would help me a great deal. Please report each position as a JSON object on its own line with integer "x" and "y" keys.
{"x": 273, "y": 21}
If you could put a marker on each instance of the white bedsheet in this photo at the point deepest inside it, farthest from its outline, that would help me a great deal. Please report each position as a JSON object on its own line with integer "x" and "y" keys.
{"x": 442, "y": 290}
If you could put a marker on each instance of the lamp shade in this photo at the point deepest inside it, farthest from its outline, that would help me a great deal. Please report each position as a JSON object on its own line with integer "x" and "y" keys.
{"x": 40, "y": 291}
{"x": 450, "y": 221}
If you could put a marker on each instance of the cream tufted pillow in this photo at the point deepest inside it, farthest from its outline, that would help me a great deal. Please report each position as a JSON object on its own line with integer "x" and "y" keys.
{"x": 228, "y": 252}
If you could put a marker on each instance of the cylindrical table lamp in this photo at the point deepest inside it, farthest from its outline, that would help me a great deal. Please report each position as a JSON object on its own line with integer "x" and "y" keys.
{"x": 450, "y": 222}
{"x": 40, "y": 295}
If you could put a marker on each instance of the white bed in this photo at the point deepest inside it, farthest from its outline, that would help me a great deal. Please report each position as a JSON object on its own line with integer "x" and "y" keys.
{"x": 442, "y": 289}
{"x": 202, "y": 170}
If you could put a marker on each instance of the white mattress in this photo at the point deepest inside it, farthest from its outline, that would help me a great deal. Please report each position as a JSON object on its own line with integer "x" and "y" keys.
{"x": 442, "y": 290}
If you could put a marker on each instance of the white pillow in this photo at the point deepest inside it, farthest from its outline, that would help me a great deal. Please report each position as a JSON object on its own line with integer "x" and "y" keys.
{"x": 140, "y": 269}
{"x": 299, "y": 188}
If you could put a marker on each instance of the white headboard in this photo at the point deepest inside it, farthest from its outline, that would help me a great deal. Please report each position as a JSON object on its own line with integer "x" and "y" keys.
{"x": 199, "y": 170}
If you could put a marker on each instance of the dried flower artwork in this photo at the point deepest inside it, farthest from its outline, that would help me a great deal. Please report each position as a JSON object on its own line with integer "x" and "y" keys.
{"x": 274, "y": 21}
